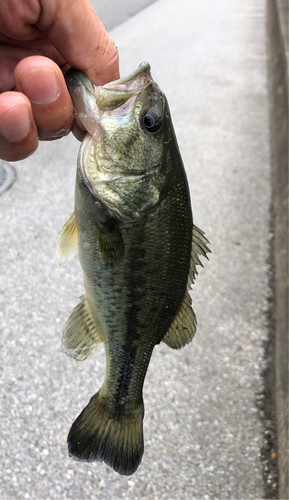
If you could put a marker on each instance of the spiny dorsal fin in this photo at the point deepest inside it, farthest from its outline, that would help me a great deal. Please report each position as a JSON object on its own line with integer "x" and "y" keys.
{"x": 81, "y": 336}
{"x": 67, "y": 241}
{"x": 184, "y": 325}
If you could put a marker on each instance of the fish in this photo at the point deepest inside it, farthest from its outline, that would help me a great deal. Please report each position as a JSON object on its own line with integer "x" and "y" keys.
{"x": 132, "y": 227}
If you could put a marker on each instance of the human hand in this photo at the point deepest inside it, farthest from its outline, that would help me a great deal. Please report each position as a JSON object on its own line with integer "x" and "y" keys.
{"x": 67, "y": 33}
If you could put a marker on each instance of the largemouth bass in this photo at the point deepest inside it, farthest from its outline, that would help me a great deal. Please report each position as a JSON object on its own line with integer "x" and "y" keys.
{"x": 133, "y": 229}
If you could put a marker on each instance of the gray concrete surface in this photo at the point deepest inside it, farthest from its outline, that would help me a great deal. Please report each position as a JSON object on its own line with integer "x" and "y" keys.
{"x": 114, "y": 12}
{"x": 278, "y": 56}
{"x": 202, "y": 431}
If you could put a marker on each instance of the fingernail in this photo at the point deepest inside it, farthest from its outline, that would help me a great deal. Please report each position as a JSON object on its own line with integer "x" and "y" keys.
{"x": 41, "y": 87}
{"x": 15, "y": 124}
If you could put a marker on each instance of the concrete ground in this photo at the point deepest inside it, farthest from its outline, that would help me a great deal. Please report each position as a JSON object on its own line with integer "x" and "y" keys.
{"x": 202, "y": 430}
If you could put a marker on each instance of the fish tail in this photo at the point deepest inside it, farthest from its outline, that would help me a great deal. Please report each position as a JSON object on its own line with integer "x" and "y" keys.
{"x": 102, "y": 433}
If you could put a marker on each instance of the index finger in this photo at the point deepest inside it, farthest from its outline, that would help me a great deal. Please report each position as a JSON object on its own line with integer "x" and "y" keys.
{"x": 79, "y": 35}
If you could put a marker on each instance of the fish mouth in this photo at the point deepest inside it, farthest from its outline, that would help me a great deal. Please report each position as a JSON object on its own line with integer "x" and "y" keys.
{"x": 90, "y": 101}
{"x": 140, "y": 76}
{"x": 115, "y": 94}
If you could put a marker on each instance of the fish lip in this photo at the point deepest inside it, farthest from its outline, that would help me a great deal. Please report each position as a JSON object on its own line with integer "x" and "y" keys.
{"x": 115, "y": 94}
{"x": 143, "y": 68}
{"x": 72, "y": 74}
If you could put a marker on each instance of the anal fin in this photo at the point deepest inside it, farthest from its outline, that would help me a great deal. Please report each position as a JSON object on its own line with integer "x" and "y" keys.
{"x": 67, "y": 241}
{"x": 81, "y": 336}
{"x": 183, "y": 327}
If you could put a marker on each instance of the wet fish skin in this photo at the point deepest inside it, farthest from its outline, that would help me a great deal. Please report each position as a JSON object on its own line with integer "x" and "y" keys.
{"x": 138, "y": 249}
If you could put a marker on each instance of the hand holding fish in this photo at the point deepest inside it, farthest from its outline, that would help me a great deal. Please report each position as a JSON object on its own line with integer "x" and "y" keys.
{"x": 34, "y": 101}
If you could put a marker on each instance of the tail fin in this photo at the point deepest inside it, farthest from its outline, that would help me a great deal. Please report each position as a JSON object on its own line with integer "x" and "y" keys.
{"x": 101, "y": 433}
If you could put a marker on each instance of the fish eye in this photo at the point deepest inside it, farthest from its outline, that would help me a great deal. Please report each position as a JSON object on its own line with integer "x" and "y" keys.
{"x": 151, "y": 120}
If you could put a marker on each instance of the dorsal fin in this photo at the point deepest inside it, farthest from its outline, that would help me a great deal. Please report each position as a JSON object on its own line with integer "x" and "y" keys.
{"x": 184, "y": 325}
{"x": 67, "y": 243}
{"x": 199, "y": 247}
{"x": 81, "y": 336}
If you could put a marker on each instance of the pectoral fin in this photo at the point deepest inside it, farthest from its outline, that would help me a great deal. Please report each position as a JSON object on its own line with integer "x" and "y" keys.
{"x": 184, "y": 325}
{"x": 81, "y": 336}
{"x": 110, "y": 242}
{"x": 67, "y": 241}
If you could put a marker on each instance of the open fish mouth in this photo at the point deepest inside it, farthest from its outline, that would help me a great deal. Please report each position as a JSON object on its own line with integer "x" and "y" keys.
{"x": 91, "y": 101}
{"x": 140, "y": 77}
{"x": 114, "y": 94}
{"x": 86, "y": 95}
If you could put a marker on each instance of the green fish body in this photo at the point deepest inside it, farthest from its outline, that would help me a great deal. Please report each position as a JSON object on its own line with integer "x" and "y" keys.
{"x": 138, "y": 248}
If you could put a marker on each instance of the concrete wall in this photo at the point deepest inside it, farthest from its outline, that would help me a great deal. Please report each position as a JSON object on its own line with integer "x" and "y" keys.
{"x": 278, "y": 97}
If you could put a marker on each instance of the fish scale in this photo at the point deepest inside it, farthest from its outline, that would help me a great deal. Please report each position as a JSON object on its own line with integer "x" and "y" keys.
{"x": 137, "y": 245}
